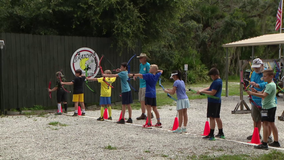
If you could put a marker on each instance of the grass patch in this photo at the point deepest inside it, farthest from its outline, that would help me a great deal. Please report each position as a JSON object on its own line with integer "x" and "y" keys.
{"x": 275, "y": 155}
{"x": 109, "y": 147}
{"x": 164, "y": 155}
{"x": 57, "y": 124}
{"x": 147, "y": 151}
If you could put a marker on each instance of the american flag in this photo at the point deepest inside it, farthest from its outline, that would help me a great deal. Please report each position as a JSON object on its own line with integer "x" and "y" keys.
{"x": 279, "y": 16}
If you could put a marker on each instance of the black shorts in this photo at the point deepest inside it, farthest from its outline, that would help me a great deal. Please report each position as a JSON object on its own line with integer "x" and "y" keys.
{"x": 61, "y": 96}
{"x": 268, "y": 115}
{"x": 126, "y": 98}
{"x": 150, "y": 101}
{"x": 213, "y": 110}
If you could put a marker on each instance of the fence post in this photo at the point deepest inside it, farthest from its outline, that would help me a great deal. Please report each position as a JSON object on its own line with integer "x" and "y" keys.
{"x": 1, "y": 71}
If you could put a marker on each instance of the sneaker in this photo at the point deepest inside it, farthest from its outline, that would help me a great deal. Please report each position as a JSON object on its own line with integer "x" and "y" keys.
{"x": 143, "y": 116}
{"x": 152, "y": 116}
{"x": 109, "y": 118}
{"x": 65, "y": 112}
{"x": 274, "y": 144}
{"x": 212, "y": 138}
{"x": 121, "y": 121}
{"x": 129, "y": 120}
{"x": 148, "y": 126}
{"x": 75, "y": 114}
{"x": 206, "y": 137}
{"x": 58, "y": 113}
{"x": 183, "y": 130}
{"x": 83, "y": 114}
{"x": 269, "y": 140}
{"x": 100, "y": 119}
{"x": 261, "y": 146}
{"x": 220, "y": 136}
{"x": 158, "y": 125}
{"x": 177, "y": 131}
{"x": 250, "y": 137}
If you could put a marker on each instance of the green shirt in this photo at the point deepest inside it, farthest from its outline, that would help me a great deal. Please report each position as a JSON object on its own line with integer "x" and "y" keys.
{"x": 269, "y": 101}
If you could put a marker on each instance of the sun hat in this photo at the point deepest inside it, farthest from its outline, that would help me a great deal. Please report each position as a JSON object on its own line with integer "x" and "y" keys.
{"x": 142, "y": 55}
{"x": 256, "y": 63}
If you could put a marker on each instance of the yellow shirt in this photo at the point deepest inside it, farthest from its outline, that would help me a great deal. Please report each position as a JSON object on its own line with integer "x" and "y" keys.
{"x": 105, "y": 89}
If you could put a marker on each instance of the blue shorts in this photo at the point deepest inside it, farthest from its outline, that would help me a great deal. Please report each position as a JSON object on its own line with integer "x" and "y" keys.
{"x": 126, "y": 98}
{"x": 105, "y": 101}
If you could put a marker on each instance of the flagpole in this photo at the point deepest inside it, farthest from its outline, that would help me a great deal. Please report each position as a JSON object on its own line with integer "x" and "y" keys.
{"x": 281, "y": 28}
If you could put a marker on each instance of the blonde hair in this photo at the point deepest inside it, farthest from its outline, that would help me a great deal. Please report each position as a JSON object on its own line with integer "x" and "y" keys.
{"x": 154, "y": 66}
{"x": 269, "y": 72}
{"x": 107, "y": 72}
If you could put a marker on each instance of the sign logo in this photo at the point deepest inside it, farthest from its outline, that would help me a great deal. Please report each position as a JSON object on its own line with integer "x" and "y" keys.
{"x": 85, "y": 59}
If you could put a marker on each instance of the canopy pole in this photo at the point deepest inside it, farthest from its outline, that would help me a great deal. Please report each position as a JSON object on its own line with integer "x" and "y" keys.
{"x": 252, "y": 53}
{"x": 227, "y": 70}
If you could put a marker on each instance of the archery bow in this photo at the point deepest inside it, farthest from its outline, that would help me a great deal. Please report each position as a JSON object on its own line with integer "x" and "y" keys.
{"x": 245, "y": 89}
{"x": 128, "y": 65}
{"x": 278, "y": 70}
{"x": 160, "y": 84}
{"x": 203, "y": 94}
{"x": 102, "y": 72}
{"x": 49, "y": 85}
{"x": 86, "y": 74}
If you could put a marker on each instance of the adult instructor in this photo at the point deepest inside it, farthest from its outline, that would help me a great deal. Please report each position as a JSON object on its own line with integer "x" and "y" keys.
{"x": 259, "y": 85}
{"x": 143, "y": 69}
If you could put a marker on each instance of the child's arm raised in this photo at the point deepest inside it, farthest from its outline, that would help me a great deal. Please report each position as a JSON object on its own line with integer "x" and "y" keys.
{"x": 67, "y": 83}
{"x": 53, "y": 89}
{"x": 171, "y": 91}
{"x": 258, "y": 94}
{"x": 110, "y": 75}
{"x": 136, "y": 75}
{"x": 205, "y": 90}
{"x": 92, "y": 79}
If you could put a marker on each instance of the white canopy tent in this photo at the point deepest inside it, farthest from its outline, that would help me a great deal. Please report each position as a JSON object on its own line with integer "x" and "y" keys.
{"x": 268, "y": 39}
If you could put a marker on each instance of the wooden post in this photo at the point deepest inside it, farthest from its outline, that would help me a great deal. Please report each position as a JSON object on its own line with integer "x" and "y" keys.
{"x": 227, "y": 70}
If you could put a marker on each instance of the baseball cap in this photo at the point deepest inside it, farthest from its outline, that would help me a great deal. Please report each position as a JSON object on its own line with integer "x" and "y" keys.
{"x": 256, "y": 63}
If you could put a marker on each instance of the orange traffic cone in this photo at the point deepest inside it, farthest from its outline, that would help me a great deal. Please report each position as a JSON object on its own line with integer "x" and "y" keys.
{"x": 79, "y": 111}
{"x": 175, "y": 126}
{"x": 58, "y": 110}
{"x": 105, "y": 114}
{"x": 255, "y": 137}
{"x": 147, "y": 121}
{"x": 206, "y": 129}
{"x": 120, "y": 116}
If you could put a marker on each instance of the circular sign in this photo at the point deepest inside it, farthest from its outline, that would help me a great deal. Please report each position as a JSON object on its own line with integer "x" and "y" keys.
{"x": 86, "y": 60}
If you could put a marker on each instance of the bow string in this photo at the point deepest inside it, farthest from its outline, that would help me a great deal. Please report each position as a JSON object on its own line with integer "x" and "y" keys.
{"x": 128, "y": 80}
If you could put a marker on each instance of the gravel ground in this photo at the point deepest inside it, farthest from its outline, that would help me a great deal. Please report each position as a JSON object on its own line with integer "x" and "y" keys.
{"x": 31, "y": 137}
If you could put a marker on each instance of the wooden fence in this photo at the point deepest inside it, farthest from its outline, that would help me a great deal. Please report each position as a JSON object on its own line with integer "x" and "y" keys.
{"x": 31, "y": 61}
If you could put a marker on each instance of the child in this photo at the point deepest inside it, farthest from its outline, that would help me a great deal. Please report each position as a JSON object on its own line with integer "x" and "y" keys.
{"x": 182, "y": 102}
{"x": 78, "y": 91}
{"x": 268, "y": 109}
{"x": 214, "y": 105}
{"x": 126, "y": 92}
{"x": 150, "y": 96}
{"x": 61, "y": 93}
{"x": 105, "y": 99}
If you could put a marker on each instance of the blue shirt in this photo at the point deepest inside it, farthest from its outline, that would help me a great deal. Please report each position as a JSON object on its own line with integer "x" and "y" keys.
{"x": 258, "y": 78}
{"x": 216, "y": 85}
{"x": 151, "y": 81}
{"x": 143, "y": 69}
{"x": 181, "y": 91}
{"x": 123, "y": 75}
